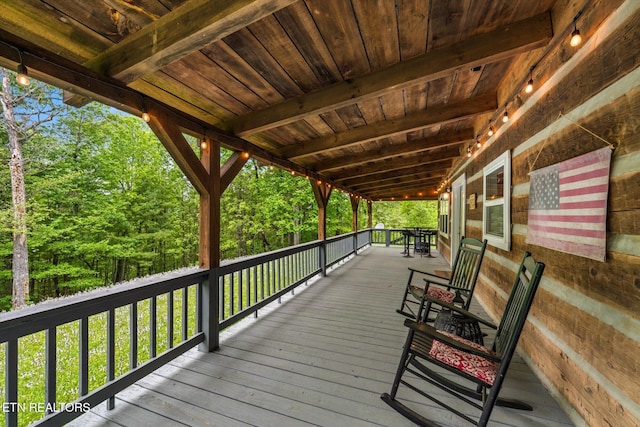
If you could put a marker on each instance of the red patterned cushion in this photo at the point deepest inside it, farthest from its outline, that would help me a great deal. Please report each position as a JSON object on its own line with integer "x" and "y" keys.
{"x": 479, "y": 367}
{"x": 441, "y": 294}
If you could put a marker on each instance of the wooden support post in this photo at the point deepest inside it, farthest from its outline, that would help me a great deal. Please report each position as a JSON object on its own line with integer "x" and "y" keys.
{"x": 369, "y": 214}
{"x": 355, "y": 202}
{"x": 210, "y": 244}
{"x": 322, "y": 192}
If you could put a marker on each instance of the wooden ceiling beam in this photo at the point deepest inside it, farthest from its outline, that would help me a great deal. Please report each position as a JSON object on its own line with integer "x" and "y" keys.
{"x": 399, "y": 183}
{"x": 505, "y": 42}
{"x": 402, "y": 190}
{"x": 390, "y": 151}
{"x": 421, "y": 159}
{"x": 190, "y": 27}
{"x": 388, "y": 128}
{"x": 393, "y": 179}
{"x": 384, "y": 175}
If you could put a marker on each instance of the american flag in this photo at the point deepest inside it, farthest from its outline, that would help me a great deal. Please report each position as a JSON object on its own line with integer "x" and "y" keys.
{"x": 568, "y": 205}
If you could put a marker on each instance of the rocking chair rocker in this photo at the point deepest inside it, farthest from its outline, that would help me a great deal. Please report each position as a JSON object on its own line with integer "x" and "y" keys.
{"x": 417, "y": 301}
{"x": 483, "y": 366}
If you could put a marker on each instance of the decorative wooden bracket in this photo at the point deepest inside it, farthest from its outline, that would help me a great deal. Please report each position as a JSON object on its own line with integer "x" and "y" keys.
{"x": 231, "y": 168}
{"x": 178, "y": 147}
{"x": 322, "y": 192}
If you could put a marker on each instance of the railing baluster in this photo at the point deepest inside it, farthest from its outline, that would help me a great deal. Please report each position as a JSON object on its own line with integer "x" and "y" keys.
{"x": 153, "y": 325}
{"x": 241, "y": 292}
{"x": 263, "y": 295}
{"x": 232, "y": 294}
{"x": 50, "y": 369}
{"x": 254, "y": 282}
{"x": 199, "y": 307}
{"x": 170, "y": 320}
{"x": 111, "y": 352}
{"x": 133, "y": 335}
{"x": 83, "y": 381}
{"x": 222, "y": 293}
{"x": 185, "y": 313}
{"x": 11, "y": 382}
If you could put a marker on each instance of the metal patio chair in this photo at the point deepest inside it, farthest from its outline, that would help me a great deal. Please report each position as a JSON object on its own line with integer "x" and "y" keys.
{"x": 426, "y": 349}
{"x": 459, "y": 285}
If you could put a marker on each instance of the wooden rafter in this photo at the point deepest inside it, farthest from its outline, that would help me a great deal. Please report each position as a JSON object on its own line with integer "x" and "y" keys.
{"x": 436, "y": 168}
{"x": 421, "y": 159}
{"x": 402, "y": 179}
{"x": 481, "y": 49}
{"x": 390, "y": 151}
{"x": 416, "y": 121}
{"x": 385, "y": 186}
{"x": 170, "y": 38}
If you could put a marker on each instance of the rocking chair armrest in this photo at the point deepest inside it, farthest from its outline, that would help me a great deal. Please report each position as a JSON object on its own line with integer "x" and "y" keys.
{"x": 437, "y": 280}
{"x": 426, "y": 273}
{"x": 461, "y": 311}
{"x": 430, "y": 331}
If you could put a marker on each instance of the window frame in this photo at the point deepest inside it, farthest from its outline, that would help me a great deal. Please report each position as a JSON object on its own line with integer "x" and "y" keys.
{"x": 503, "y": 161}
{"x": 444, "y": 215}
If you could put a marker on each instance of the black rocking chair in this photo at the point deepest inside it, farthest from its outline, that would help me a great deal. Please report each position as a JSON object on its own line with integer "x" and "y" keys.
{"x": 425, "y": 347}
{"x": 459, "y": 285}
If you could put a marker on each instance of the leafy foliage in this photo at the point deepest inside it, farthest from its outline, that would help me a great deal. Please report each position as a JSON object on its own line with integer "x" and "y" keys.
{"x": 106, "y": 203}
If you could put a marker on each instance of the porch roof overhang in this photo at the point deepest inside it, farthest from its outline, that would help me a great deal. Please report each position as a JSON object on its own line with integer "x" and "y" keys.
{"x": 377, "y": 98}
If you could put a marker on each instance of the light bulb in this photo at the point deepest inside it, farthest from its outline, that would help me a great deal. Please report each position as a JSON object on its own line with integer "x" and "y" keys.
{"x": 478, "y": 144}
{"x": 490, "y": 133}
{"x": 145, "y": 116}
{"x": 505, "y": 118}
{"x": 529, "y": 87}
{"x": 576, "y": 38}
{"x": 23, "y": 75}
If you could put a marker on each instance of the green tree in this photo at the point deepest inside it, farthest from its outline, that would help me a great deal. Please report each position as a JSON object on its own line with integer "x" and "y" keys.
{"x": 24, "y": 111}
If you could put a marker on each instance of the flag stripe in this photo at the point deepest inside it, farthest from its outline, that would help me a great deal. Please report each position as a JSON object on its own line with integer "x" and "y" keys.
{"x": 603, "y": 188}
{"x": 595, "y": 219}
{"x": 596, "y": 234}
{"x": 590, "y": 204}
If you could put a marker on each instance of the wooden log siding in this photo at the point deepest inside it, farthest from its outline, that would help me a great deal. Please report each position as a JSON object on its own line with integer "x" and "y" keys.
{"x": 582, "y": 336}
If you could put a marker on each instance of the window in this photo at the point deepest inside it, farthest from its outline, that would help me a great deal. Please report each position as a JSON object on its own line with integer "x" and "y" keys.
{"x": 496, "y": 224}
{"x": 443, "y": 214}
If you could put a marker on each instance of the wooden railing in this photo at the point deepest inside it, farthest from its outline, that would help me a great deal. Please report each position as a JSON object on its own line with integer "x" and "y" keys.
{"x": 122, "y": 333}
{"x": 387, "y": 237}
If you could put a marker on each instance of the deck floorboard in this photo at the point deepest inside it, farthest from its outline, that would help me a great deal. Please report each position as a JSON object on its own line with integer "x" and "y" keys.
{"x": 322, "y": 357}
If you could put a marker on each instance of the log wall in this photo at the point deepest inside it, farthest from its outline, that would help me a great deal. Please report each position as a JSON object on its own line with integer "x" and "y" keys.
{"x": 583, "y": 333}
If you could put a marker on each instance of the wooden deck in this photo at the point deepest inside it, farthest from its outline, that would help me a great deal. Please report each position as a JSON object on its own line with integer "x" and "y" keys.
{"x": 322, "y": 357}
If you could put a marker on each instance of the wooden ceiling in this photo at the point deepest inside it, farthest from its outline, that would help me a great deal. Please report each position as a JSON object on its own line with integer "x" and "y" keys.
{"x": 376, "y": 96}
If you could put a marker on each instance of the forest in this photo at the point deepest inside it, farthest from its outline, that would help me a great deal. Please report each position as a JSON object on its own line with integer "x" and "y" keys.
{"x": 105, "y": 203}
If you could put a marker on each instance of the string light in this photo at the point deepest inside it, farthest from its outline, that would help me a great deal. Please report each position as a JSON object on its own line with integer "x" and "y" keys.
{"x": 203, "y": 144}
{"x": 478, "y": 143}
{"x": 23, "y": 74}
{"x": 145, "y": 116}
{"x": 529, "y": 87}
{"x": 468, "y": 151}
{"x": 576, "y": 38}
